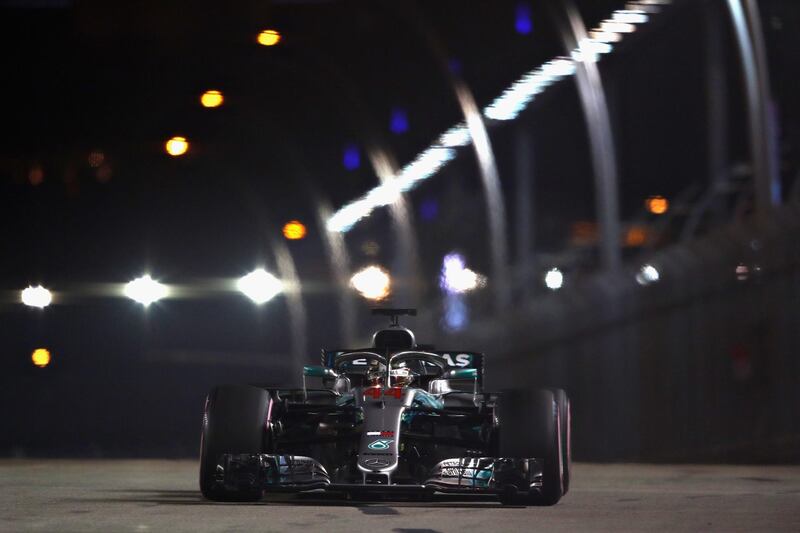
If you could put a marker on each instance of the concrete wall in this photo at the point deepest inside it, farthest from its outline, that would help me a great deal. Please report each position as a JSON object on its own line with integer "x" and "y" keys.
{"x": 700, "y": 365}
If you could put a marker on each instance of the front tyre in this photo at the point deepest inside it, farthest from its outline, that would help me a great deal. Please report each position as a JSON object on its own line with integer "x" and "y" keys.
{"x": 233, "y": 422}
{"x": 530, "y": 427}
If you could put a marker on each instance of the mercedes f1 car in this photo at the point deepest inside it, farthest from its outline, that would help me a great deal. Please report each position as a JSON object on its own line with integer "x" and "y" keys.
{"x": 395, "y": 419}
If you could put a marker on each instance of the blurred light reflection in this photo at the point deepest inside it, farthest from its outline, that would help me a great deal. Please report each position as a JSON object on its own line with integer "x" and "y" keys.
{"x": 41, "y": 357}
{"x": 508, "y": 105}
{"x": 372, "y": 283}
{"x": 269, "y": 37}
{"x": 554, "y": 279}
{"x": 260, "y": 286}
{"x": 456, "y": 278}
{"x": 647, "y": 274}
{"x": 145, "y": 290}
{"x": 36, "y": 297}
{"x": 177, "y": 146}
{"x": 211, "y": 98}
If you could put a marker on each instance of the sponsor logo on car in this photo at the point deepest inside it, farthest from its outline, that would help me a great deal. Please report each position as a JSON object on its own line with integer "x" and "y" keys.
{"x": 376, "y": 462}
{"x": 458, "y": 359}
{"x": 380, "y": 444}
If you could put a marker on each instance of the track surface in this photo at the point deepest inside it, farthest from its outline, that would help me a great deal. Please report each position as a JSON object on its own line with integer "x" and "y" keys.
{"x": 100, "y": 495}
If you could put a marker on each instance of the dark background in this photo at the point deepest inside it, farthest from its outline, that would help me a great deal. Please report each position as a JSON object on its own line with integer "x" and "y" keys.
{"x": 122, "y": 77}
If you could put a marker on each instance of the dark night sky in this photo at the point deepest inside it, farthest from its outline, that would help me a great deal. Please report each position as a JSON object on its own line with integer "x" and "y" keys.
{"x": 121, "y": 78}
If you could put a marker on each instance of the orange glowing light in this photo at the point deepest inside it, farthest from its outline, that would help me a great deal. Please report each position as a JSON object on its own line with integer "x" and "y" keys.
{"x": 177, "y": 146}
{"x": 212, "y": 98}
{"x": 96, "y": 159}
{"x": 658, "y": 205}
{"x": 41, "y": 357}
{"x": 294, "y": 230}
{"x": 635, "y": 236}
{"x": 36, "y": 175}
{"x": 269, "y": 37}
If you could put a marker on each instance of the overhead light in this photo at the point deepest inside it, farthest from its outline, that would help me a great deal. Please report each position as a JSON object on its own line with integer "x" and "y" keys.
{"x": 177, "y": 146}
{"x": 37, "y": 297}
{"x": 614, "y": 26}
{"x": 145, "y": 290}
{"x": 260, "y": 286}
{"x": 601, "y": 36}
{"x": 269, "y": 37}
{"x": 398, "y": 123}
{"x": 372, "y": 283}
{"x": 554, "y": 279}
{"x": 647, "y": 274}
{"x": 456, "y": 278}
{"x": 458, "y": 135}
{"x": 211, "y": 99}
{"x": 294, "y": 230}
{"x": 630, "y": 16}
{"x": 658, "y": 205}
{"x": 507, "y": 106}
{"x": 40, "y": 357}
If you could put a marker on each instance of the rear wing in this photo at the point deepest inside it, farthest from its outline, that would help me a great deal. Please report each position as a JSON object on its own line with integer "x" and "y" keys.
{"x": 453, "y": 359}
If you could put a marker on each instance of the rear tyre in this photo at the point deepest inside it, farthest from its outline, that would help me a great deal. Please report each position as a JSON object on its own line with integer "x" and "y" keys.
{"x": 565, "y": 413}
{"x": 234, "y": 422}
{"x": 529, "y": 427}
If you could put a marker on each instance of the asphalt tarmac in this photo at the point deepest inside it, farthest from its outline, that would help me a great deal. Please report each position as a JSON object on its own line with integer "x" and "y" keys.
{"x": 162, "y": 495}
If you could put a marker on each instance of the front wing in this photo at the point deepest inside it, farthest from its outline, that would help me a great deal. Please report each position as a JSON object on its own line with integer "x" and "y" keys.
{"x": 459, "y": 475}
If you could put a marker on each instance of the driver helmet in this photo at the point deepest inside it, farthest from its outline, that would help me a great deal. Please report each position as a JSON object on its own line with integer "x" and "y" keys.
{"x": 401, "y": 377}
{"x": 375, "y": 375}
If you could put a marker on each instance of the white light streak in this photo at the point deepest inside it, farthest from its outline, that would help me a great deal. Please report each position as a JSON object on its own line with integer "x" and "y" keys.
{"x": 346, "y": 217}
{"x": 617, "y": 27}
{"x": 630, "y": 16}
{"x": 507, "y": 106}
{"x": 260, "y": 286}
{"x": 36, "y": 297}
{"x": 145, "y": 290}
{"x": 601, "y": 36}
{"x": 372, "y": 283}
{"x": 456, "y": 136}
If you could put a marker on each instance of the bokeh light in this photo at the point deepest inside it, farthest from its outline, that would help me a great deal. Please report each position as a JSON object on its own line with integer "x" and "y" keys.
{"x": 260, "y": 286}
{"x": 145, "y": 290}
{"x": 372, "y": 283}
{"x": 456, "y": 277}
{"x": 429, "y": 209}
{"x": 36, "y": 175}
{"x": 399, "y": 121}
{"x": 269, "y": 37}
{"x": 36, "y": 297}
{"x": 177, "y": 146}
{"x": 96, "y": 158}
{"x": 523, "y": 21}
{"x": 635, "y": 236}
{"x": 351, "y": 159}
{"x": 370, "y": 248}
{"x": 658, "y": 205}
{"x": 294, "y": 230}
{"x": 554, "y": 279}
{"x": 647, "y": 274}
{"x": 211, "y": 98}
{"x": 41, "y": 357}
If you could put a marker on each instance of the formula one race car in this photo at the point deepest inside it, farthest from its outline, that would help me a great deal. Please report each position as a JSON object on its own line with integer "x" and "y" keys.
{"x": 395, "y": 419}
